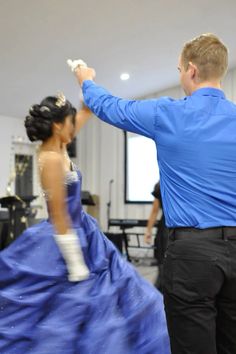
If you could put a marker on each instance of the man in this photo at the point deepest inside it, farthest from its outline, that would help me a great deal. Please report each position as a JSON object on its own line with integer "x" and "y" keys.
{"x": 161, "y": 238}
{"x": 196, "y": 139}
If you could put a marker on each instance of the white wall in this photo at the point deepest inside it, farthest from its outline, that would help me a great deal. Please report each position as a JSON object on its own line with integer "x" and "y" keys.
{"x": 101, "y": 158}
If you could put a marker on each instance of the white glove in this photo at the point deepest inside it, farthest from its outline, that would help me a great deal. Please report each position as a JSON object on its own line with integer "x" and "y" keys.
{"x": 74, "y": 64}
{"x": 70, "y": 248}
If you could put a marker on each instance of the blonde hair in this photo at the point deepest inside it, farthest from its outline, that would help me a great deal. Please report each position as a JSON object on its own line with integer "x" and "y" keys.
{"x": 209, "y": 54}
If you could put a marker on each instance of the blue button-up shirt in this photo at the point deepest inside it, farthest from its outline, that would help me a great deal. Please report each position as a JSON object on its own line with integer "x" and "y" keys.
{"x": 196, "y": 144}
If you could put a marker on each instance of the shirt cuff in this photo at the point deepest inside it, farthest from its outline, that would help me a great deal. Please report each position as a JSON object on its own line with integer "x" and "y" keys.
{"x": 86, "y": 84}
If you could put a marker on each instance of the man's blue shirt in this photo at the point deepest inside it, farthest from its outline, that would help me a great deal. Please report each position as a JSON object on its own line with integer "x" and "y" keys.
{"x": 196, "y": 150}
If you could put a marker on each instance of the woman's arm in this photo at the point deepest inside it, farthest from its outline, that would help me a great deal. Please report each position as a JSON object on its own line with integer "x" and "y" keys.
{"x": 52, "y": 180}
{"x": 82, "y": 116}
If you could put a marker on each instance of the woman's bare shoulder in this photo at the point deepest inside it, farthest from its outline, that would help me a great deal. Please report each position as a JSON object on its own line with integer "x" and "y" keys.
{"x": 50, "y": 159}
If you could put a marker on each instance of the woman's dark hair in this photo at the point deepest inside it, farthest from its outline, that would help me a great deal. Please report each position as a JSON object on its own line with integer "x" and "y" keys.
{"x": 41, "y": 117}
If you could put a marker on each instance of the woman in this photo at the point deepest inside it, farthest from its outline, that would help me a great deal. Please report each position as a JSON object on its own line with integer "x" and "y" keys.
{"x": 64, "y": 288}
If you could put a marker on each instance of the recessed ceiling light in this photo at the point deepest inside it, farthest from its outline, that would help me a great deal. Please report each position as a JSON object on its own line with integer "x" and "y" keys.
{"x": 124, "y": 76}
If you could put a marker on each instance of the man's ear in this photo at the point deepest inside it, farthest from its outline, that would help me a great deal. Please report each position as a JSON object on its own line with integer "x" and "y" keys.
{"x": 192, "y": 68}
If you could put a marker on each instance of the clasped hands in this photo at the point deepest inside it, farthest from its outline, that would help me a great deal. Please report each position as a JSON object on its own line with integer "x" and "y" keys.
{"x": 81, "y": 70}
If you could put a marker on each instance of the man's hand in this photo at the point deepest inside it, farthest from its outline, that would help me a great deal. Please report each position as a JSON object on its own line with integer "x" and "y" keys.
{"x": 83, "y": 73}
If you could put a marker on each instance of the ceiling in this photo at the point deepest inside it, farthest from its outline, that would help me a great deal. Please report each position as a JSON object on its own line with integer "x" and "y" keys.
{"x": 143, "y": 38}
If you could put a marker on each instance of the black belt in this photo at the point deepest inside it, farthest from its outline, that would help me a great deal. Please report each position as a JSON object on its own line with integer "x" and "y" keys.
{"x": 223, "y": 232}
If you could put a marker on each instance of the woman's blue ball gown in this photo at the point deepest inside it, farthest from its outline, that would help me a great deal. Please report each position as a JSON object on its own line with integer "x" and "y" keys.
{"x": 114, "y": 311}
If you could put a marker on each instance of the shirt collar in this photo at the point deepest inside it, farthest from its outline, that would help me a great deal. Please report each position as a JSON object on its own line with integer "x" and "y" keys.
{"x": 209, "y": 91}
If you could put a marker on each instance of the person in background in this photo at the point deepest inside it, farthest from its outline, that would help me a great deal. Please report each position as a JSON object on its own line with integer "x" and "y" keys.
{"x": 161, "y": 239}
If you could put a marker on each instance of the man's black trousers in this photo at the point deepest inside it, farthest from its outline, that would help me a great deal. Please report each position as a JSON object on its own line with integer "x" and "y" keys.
{"x": 200, "y": 290}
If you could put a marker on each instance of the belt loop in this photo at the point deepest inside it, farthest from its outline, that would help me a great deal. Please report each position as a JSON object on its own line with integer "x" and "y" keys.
{"x": 224, "y": 236}
{"x": 171, "y": 234}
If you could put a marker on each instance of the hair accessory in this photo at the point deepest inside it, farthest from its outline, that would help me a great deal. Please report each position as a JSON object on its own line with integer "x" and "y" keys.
{"x": 61, "y": 100}
{"x": 44, "y": 108}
